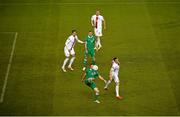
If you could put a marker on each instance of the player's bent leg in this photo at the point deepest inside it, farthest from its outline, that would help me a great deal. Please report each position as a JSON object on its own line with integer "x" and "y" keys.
{"x": 72, "y": 52}
{"x": 64, "y": 64}
{"x": 67, "y": 54}
{"x": 96, "y": 95}
{"x": 107, "y": 84}
{"x": 71, "y": 62}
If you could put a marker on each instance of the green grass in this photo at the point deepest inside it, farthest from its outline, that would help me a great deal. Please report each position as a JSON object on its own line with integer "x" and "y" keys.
{"x": 143, "y": 34}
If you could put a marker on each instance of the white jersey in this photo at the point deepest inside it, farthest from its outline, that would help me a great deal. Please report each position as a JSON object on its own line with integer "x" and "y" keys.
{"x": 70, "y": 42}
{"x": 97, "y": 20}
{"x": 115, "y": 68}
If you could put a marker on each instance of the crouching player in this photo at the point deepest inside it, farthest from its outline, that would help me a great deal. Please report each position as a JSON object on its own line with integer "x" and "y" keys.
{"x": 89, "y": 49}
{"x": 88, "y": 78}
{"x": 113, "y": 75}
{"x": 69, "y": 50}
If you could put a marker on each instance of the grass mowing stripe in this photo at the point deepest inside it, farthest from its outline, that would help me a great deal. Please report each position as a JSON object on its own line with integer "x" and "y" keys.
{"x": 8, "y": 69}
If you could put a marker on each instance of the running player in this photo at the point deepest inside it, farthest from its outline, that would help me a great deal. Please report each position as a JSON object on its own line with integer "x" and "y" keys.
{"x": 113, "y": 75}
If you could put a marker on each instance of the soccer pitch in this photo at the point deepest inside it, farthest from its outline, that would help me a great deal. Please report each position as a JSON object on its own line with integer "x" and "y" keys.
{"x": 143, "y": 34}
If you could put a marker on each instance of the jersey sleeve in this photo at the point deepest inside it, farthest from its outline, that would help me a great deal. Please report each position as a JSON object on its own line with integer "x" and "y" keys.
{"x": 67, "y": 41}
{"x": 92, "y": 18}
{"x": 102, "y": 18}
{"x": 112, "y": 67}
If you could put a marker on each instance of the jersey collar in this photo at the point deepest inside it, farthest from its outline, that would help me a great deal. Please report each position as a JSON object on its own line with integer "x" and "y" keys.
{"x": 90, "y": 36}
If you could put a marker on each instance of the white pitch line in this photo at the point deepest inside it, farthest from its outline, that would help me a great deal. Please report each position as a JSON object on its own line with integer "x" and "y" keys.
{"x": 83, "y": 3}
{"x": 8, "y": 69}
{"x": 7, "y": 32}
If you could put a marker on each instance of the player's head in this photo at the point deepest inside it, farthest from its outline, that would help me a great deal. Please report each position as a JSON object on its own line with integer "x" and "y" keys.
{"x": 94, "y": 67}
{"x": 74, "y": 32}
{"x": 97, "y": 12}
{"x": 115, "y": 59}
{"x": 90, "y": 33}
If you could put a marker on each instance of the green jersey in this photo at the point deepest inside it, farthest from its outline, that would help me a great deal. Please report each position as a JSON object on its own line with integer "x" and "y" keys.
{"x": 90, "y": 73}
{"x": 90, "y": 41}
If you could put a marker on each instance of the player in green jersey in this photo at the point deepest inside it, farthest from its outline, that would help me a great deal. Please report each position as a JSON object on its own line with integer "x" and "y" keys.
{"x": 89, "y": 49}
{"x": 88, "y": 78}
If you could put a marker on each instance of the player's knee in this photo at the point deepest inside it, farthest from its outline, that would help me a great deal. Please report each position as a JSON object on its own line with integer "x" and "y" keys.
{"x": 117, "y": 83}
{"x": 96, "y": 90}
{"x": 73, "y": 57}
{"x": 67, "y": 57}
{"x": 110, "y": 80}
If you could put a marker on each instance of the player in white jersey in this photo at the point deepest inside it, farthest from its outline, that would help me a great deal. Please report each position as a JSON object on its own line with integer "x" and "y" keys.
{"x": 69, "y": 50}
{"x": 113, "y": 75}
{"x": 97, "y": 21}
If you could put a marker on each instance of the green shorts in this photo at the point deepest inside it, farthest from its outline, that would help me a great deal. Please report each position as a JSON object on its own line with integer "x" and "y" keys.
{"x": 90, "y": 84}
{"x": 91, "y": 53}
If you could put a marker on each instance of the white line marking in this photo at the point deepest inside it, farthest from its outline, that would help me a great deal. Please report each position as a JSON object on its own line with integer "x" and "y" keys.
{"x": 8, "y": 69}
{"x": 8, "y": 32}
{"x": 83, "y": 3}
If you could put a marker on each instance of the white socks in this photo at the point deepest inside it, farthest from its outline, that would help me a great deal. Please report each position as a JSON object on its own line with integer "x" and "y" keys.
{"x": 97, "y": 93}
{"x": 117, "y": 89}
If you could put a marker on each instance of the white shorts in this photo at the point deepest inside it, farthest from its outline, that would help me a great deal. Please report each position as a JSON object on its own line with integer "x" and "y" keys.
{"x": 115, "y": 77}
{"x": 68, "y": 53}
{"x": 98, "y": 32}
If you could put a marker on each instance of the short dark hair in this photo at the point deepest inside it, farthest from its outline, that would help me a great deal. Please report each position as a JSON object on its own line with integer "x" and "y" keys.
{"x": 114, "y": 58}
{"x": 73, "y": 30}
{"x": 90, "y": 31}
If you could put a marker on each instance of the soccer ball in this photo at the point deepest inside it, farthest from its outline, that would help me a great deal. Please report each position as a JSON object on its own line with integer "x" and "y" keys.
{"x": 95, "y": 67}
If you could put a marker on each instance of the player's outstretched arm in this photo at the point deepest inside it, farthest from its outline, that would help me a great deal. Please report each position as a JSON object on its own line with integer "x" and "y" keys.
{"x": 101, "y": 78}
{"x": 79, "y": 41}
